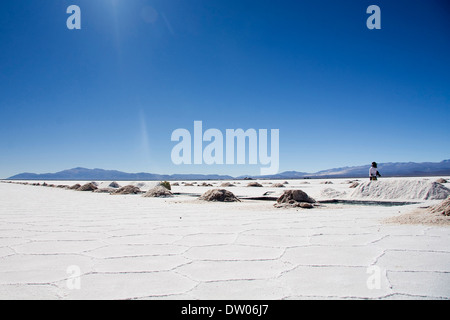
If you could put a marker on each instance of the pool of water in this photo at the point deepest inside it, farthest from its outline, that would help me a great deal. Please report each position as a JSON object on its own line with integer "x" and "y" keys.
{"x": 333, "y": 201}
{"x": 368, "y": 203}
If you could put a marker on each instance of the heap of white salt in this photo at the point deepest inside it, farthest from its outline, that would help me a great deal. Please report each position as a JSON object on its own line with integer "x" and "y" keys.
{"x": 401, "y": 189}
{"x": 330, "y": 193}
{"x": 442, "y": 208}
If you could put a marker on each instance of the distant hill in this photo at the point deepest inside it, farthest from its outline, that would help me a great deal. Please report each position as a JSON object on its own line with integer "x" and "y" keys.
{"x": 396, "y": 169}
{"x": 100, "y": 174}
{"x": 390, "y": 169}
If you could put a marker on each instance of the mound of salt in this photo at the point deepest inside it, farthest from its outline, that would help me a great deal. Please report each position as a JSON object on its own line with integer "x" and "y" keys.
{"x": 75, "y": 186}
{"x": 221, "y": 195}
{"x": 204, "y": 184}
{"x": 401, "y": 189}
{"x": 294, "y": 199}
{"x": 295, "y": 196}
{"x": 105, "y": 190}
{"x": 158, "y": 192}
{"x": 354, "y": 185}
{"x": 88, "y": 187}
{"x": 441, "y": 180}
{"x": 114, "y": 185}
{"x": 437, "y": 215}
{"x": 127, "y": 190}
{"x": 331, "y": 193}
{"x": 277, "y": 185}
{"x": 254, "y": 184}
{"x": 227, "y": 184}
{"x": 442, "y": 208}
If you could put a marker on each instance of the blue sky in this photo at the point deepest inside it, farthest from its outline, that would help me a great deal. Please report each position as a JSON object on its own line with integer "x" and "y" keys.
{"x": 110, "y": 95}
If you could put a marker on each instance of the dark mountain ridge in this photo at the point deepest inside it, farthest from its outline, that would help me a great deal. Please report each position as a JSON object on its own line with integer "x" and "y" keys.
{"x": 390, "y": 169}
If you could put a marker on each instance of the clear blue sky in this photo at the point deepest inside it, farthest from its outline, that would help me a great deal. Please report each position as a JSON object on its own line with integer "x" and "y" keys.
{"x": 110, "y": 95}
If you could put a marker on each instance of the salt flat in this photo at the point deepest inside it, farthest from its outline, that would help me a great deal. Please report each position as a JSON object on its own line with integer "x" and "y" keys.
{"x": 131, "y": 247}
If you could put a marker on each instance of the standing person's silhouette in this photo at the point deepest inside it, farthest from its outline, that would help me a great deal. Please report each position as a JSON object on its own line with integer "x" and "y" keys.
{"x": 373, "y": 172}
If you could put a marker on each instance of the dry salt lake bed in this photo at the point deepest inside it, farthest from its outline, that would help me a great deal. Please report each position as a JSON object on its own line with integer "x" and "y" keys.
{"x": 65, "y": 244}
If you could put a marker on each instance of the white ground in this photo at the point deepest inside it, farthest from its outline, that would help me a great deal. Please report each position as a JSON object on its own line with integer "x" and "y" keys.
{"x": 130, "y": 247}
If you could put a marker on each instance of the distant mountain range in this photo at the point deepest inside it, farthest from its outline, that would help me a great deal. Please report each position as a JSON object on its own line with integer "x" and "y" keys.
{"x": 103, "y": 175}
{"x": 397, "y": 169}
{"x": 390, "y": 169}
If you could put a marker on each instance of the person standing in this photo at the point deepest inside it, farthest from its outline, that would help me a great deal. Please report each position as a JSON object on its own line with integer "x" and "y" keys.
{"x": 373, "y": 172}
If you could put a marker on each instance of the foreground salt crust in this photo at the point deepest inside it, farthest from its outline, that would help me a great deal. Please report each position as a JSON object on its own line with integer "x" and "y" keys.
{"x": 131, "y": 247}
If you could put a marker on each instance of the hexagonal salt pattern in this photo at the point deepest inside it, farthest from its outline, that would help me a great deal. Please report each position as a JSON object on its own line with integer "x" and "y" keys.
{"x": 62, "y": 244}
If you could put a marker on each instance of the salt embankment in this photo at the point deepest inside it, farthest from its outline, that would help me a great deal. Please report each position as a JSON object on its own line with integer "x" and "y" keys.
{"x": 400, "y": 189}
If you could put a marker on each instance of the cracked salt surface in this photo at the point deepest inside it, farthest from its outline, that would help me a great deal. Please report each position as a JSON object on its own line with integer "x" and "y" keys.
{"x": 129, "y": 247}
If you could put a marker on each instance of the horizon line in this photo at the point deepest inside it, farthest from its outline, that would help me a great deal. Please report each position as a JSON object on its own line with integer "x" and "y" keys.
{"x": 306, "y": 174}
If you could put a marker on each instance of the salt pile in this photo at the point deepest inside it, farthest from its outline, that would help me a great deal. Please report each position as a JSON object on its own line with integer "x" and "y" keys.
{"x": 88, "y": 187}
{"x": 442, "y": 208}
{"x": 290, "y": 196}
{"x": 105, "y": 190}
{"x": 114, "y": 185}
{"x": 254, "y": 184}
{"x": 437, "y": 215}
{"x": 331, "y": 193}
{"x": 227, "y": 184}
{"x": 127, "y": 190}
{"x": 354, "y": 185}
{"x": 158, "y": 192}
{"x": 401, "y": 189}
{"x": 277, "y": 185}
{"x": 294, "y": 199}
{"x": 221, "y": 195}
